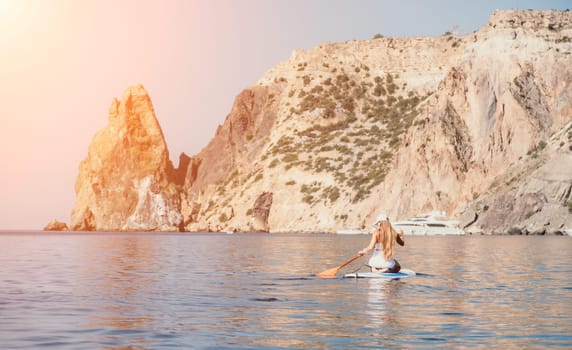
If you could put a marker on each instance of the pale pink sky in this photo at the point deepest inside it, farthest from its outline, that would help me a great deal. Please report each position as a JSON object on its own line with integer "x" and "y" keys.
{"x": 63, "y": 61}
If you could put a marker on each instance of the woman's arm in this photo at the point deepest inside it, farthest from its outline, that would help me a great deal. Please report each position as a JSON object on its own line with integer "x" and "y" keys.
{"x": 371, "y": 244}
{"x": 399, "y": 238}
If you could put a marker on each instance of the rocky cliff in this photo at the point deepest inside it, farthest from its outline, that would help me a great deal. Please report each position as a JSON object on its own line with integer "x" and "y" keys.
{"x": 477, "y": 125}
{"x": 345, "y": 130}
{"x": 494, "y": 116}
{"x": 127, "y": 180}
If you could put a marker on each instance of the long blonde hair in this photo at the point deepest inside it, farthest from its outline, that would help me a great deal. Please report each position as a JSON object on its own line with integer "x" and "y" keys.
{"x": 386, "y": 236}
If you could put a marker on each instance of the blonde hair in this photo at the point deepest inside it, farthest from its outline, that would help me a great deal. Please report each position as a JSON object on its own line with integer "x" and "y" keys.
{"x": 386, "y": 236}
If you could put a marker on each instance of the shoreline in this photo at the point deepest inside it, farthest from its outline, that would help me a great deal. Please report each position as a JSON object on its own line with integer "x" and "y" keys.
{"x": 510, "y": 232}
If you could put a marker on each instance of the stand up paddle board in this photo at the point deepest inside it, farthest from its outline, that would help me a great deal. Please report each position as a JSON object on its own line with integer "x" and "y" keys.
{"x": 403, "y": 273}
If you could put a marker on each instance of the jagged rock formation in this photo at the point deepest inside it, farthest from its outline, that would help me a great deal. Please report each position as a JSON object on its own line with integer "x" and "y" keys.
{"x": 477, "y": 125}
{"x": 126, "y": 183}
{"x": 56, "y": 225}
{"x": 345, "y": 130}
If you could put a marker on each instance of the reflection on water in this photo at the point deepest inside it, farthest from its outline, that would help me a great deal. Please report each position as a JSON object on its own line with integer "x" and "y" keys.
{"x": 123, "y": 269}
{"x": 154, "y": 291}
{"x": 381, "y": 296}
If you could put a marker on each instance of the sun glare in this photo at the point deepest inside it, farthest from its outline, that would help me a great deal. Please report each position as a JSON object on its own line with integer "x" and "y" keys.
{"x": 5, "y": 5}
{"x": 9, "y": 9}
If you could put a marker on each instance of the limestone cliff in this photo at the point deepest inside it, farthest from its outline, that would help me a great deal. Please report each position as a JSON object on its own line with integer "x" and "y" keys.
{"x": 533, "y": 196}
{"x": 492, "y": 114}
{"x": 126, "y": 183}
{"x": 478, "y": 125}
{"x": 345, "y": 130}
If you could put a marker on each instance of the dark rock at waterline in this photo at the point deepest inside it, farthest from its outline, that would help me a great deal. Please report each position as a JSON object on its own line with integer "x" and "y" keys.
{"x": 468, "y": 218}
{"x": 260, "y": 212}
{"x": 513, "y": 231}
{"x": 538, "y": 232}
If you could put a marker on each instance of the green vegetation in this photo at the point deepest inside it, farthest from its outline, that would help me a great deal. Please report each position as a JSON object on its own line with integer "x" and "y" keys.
{"x": 356, "y": 124}
{"x": 533, "y": 152}
{"x": 332, "y": 193}
{"x": 310, "y": 191}
{"x": 302, "y": 66}
{"x": 314, "y": 193}
{"x": 291, "y": 157}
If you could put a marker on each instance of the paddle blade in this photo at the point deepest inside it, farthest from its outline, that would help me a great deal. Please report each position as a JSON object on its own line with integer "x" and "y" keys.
{"x": 331, "y": 273}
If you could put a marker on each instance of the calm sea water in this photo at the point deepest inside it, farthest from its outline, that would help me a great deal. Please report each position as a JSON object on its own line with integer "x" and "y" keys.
{"x": 163, "y": 291}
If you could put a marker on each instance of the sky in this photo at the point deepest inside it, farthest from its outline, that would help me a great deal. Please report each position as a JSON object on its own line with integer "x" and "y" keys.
{"x": 63, "y": 61}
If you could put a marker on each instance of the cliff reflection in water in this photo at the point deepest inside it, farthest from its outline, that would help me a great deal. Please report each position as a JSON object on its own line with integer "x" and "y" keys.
{"x": 123, "y": 271}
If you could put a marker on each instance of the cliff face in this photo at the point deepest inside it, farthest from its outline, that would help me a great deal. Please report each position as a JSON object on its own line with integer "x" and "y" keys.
{"x": 477, "y": 125}
{"x": 125, "y": 183}
{"x": 503, "y": 99}
{"x": 533, "y": 197}
{"x": 343, "y": 131}
{"x": 233, "y": 152}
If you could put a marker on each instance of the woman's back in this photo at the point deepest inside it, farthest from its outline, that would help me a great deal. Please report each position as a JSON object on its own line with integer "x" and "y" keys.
{"x": 383, "y": 239}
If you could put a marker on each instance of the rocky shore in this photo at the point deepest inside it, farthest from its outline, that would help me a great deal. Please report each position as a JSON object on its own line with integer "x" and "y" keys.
{"x": 478, "y": 125}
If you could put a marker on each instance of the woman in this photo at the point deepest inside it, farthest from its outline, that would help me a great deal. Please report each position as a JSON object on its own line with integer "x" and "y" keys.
{"x": 383, "y": 243}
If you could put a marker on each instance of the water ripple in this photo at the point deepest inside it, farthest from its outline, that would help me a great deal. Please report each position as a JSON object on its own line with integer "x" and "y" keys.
{"x": 251, "y": 291}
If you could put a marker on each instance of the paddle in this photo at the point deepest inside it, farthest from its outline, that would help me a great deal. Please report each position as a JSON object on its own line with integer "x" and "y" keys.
{"x": 330, "y": 273}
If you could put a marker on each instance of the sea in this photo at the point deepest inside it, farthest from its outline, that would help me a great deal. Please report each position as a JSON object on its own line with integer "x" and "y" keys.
{"x": 260, "y": 291}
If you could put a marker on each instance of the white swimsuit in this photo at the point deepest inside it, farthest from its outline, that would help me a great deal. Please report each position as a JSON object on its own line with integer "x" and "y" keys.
{"x": 377, "y": 259}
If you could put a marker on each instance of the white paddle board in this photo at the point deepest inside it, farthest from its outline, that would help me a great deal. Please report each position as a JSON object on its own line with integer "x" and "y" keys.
{"x": 403, "y": 273}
